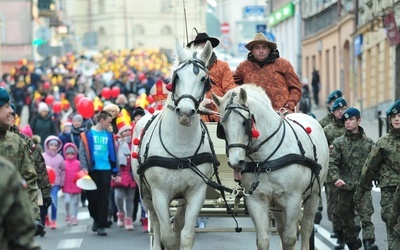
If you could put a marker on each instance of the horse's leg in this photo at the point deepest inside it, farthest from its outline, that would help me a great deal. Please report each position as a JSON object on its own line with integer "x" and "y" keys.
{"x": 292, "y": 213}
{"x": 194, "y": 203}
{"x": 259, "y": 212}
{"x": 280, "y": 220}
{"x": 161, "y": 206}
{"x": 307, "y": 222}
{"x": 155, "y": 226}
{"x": 179, "y": 221}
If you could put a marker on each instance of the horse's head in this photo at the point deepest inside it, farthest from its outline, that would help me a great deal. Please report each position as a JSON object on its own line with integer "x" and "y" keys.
{"x": 235, "y": 126}
{"x": 190, "y": 81}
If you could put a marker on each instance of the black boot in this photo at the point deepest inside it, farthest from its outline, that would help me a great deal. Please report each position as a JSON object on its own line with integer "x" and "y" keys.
{"x": 369, "y": 244}
{"x": 340, "y": 240}
{"x": 354, "y": 245}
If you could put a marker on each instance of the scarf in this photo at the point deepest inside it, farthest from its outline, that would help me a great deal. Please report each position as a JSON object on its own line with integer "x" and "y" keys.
{"x": 270, "y": 59}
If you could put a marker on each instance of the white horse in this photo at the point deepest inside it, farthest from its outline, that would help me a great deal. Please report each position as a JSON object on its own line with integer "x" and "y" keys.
{"x": 175, "y": 154}
{"x": 273, "y": 157}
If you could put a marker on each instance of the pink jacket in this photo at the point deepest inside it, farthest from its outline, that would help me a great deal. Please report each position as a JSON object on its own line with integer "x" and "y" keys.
{"x": 125, "y": 170}
{"x": 55, "y": 160}
{"x": 72, "y": 166}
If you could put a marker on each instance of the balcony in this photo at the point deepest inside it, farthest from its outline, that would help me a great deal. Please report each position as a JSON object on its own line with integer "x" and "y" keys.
{"x": 321, "y": 20}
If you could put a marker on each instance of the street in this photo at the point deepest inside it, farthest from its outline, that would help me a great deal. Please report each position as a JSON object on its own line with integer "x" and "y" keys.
{"x": 81, "y": 236}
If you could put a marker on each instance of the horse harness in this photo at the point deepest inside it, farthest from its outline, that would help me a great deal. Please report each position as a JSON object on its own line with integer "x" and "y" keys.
{"x": 267, "y": 165}
{"x": 197, "y": 65}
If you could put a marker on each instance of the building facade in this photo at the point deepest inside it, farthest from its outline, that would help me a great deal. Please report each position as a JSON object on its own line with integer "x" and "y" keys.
{"x": 327, "y": 45}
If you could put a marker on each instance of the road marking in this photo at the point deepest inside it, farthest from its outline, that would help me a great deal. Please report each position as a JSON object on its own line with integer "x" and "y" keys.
{"x": 75, "y": 229}
{"x": 327, "y": 235}
{"x": 69, "y": 243}
{"x": 83, "y": 215}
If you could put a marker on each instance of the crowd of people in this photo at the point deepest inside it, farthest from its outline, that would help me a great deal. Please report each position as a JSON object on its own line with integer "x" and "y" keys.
{"x": 81, "y": 115}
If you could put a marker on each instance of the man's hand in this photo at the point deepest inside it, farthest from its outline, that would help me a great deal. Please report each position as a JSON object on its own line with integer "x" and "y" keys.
{"x": 339, "y": 183}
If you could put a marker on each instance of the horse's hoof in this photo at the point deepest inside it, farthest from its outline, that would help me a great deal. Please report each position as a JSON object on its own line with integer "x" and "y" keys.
{"x": 333, "y": 235}
{"x": 318, "y": 218}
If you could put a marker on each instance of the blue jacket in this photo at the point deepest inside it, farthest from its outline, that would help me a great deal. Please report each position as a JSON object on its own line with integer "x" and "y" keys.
{"x": 86, "y": 152}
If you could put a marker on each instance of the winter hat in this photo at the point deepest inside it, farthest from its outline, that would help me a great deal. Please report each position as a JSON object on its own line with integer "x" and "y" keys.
{"x": 43, "y": 107}
{"x": 4, "y": 96}
{"x": 123, "y": 129}
{"x": 394, "y": 109}
{"x": 27, "y": 131}
{"x": 138, "y": 111}
{"x": 52, "y": 142}
{"x": 13, "y": 108}
{"x": 334, "y": 95}
{"x": 350, "y": 112}
{"x": 67, "y": 124}
{"x": 340, "y": 102}
{"x": 77, "y": 118}
{"x": 70, "y": 149}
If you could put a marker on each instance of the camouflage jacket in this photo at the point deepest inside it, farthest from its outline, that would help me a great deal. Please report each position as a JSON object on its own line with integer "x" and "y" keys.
{"x": 347, "y": 158}
{"x": 328, "y": 119}
{"x": 334, "y": 130}
{"x": 383, "y": 162}
{"x": 17, "y": 227}
{"x": 14, "y": 149}
{"x": 396, "y": 207}
{"x": 35, "y": 152}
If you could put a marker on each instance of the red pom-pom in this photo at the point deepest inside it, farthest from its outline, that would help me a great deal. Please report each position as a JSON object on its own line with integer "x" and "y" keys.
{"x": 255, "y": 133}
{"x": 308, "y": 130}
{"x": 135, "y": 155}
{"x": 151, "y": 110}
{"x": 169, "y": 87}
{"x": 159, "y": 107}
{"x": 136, "y": 141}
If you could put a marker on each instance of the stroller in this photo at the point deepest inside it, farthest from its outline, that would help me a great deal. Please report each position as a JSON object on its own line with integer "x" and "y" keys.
{"x": 305, "y": 101}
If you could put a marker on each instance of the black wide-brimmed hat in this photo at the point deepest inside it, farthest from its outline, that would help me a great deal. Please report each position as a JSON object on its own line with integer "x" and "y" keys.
{"x": 202, "y": 38}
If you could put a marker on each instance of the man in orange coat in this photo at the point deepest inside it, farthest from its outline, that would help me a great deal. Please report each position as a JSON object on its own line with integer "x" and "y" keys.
{"x": 220, "y": 75}
{"x": 274, "y": 74}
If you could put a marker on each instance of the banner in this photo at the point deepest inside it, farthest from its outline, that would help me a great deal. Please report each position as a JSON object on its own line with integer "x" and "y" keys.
{"x": 392, "y": 32}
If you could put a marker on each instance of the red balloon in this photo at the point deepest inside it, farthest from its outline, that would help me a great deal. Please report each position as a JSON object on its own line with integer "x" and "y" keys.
{"x": 106, "y": 93}
{"x": 86, "y": 108}
{"x": 57, "y": 107}
{"x": 78, "y": 97}
{"x": 49, "y": 100}
{"x": 51, "y": 173}
{"x": 46, "y": 85}
{"x": 115, "y": 91}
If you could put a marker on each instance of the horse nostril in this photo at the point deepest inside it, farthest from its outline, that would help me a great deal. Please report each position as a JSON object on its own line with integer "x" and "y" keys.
{"x": 178, "y": 112}
{"x": 241, "y": 163}
{"x": 192, "y": 112}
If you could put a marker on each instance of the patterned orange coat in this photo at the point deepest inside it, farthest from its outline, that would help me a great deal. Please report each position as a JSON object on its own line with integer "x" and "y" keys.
{"x": 221, "y": 82}
{"x": 278, "y": 79}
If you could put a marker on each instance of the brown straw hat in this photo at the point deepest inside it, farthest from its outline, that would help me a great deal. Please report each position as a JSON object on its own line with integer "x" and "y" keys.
{"x": 259, "y": 38}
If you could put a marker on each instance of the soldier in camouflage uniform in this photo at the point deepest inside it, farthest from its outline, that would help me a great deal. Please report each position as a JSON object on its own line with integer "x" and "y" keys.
{"x": 40, "y": 168}
{"x": 17, "y": 227}
{"x": 333, "y": 131}
{"x": 383, "y": 164}
{"x": 328, "y": 119}
{"x": 395, "y": 220}
{"x": 347, "y": 158}
{"x": 14, "y": 149}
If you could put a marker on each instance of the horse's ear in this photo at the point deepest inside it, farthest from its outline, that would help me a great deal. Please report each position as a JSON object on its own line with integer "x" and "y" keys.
{"x": 207, "y": 52}
{"x": 242, "y": 96}
{"x": 180, "y": 51}
{"x": 217, "y": 100}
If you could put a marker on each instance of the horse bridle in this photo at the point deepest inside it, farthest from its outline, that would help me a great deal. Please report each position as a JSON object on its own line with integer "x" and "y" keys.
{"x": 197, "y": 65}
{"x": 248, "y": 126}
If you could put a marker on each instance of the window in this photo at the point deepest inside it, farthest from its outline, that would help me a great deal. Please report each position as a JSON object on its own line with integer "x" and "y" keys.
{"x": 166, "y": 30}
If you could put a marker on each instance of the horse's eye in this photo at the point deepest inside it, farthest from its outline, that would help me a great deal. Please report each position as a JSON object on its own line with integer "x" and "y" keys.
{"x": 204, "y": 78}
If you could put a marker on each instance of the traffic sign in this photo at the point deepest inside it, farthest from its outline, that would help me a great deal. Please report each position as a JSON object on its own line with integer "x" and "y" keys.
{"x": 226, "y": 42}
{"x": 38, "y": 42}
{"x": 225, "y": 28}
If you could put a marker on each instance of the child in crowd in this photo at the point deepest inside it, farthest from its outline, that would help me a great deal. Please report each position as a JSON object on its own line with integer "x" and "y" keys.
{"x": 65, "y": 135}
{"x": 52, "y": 158}
{"x": 71, "y": 191}
{"x": 125, "y": 189}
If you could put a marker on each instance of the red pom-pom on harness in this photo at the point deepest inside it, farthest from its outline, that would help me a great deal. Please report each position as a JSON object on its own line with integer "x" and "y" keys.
{"x": 151, "y": 110}
{"x": 135, "y": 155}
{"x": 159, "y": 107}
{"x": 136, "y": 141}
{"x": 169, "y": 87}
{"x": 308, "y": 130}
{"x": 255, "y": 133}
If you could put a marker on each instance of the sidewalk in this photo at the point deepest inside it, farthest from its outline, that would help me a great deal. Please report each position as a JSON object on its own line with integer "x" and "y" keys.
{"x": 371, "y": 127}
